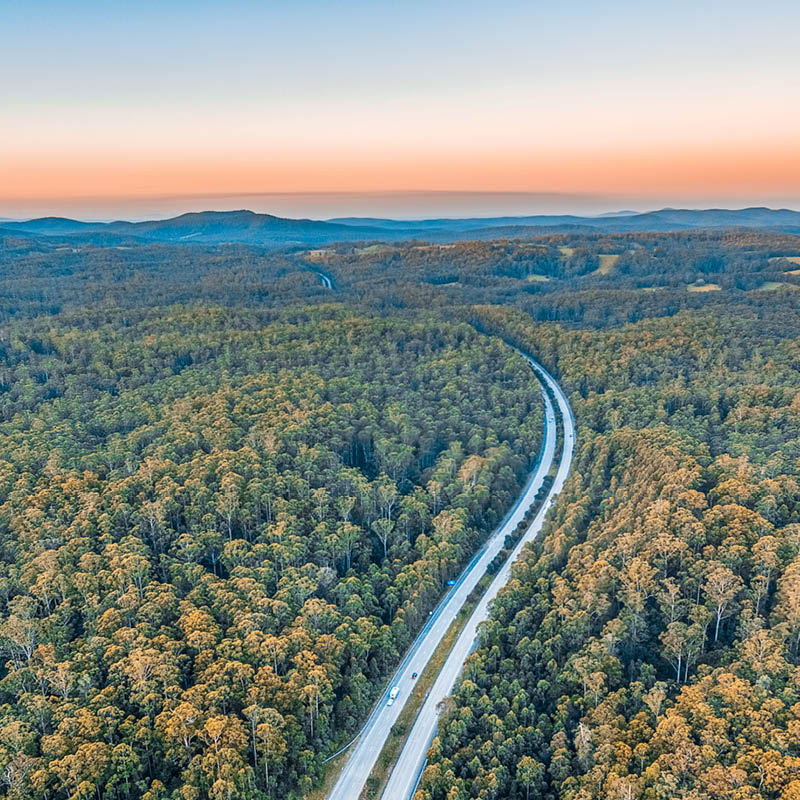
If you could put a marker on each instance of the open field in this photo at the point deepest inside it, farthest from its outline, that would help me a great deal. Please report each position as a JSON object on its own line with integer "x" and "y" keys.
{"x": 316, "y": 255}
{"x": 607, "y": 262}
{"x": 534, "y": 278}
{"x": 705, "y": 287}
{"x": 376, "y": 249}
{"x": 771, "y": 286}
{"x": 792, "y": 259}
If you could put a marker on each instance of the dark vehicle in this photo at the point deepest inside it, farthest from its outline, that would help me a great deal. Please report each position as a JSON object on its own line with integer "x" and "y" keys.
{"x": 413, "y": 675}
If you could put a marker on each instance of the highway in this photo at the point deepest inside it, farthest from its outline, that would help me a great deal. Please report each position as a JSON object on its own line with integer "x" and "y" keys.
{"x": 408, "y": 769}
{"x": 373, "y": 735}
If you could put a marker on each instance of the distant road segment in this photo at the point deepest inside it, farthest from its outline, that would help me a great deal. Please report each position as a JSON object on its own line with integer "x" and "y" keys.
{"x": 324, "y": 279}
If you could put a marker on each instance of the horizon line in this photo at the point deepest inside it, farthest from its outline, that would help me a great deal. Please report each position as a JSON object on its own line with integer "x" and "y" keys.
{"x": 606, "y": 214}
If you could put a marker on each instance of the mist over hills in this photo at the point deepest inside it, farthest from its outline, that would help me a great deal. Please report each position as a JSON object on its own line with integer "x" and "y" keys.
{"x": 247, "y": 227}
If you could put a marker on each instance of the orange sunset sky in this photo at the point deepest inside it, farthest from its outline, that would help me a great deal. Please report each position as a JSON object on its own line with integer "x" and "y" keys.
{"x": 113, "y": 108}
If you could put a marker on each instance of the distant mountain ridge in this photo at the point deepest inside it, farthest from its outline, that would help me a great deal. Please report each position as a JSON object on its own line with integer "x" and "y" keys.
{"x": 248, "y": 227}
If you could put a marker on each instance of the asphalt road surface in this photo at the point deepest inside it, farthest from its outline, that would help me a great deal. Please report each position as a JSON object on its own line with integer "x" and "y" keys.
{"x": 376, "y": 730}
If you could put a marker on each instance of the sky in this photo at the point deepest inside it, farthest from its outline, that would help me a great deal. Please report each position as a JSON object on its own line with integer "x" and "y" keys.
{"x": 113, "y": 109}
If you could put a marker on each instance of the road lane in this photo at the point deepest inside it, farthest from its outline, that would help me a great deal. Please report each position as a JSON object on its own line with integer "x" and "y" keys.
{"x": 376, "y": 730}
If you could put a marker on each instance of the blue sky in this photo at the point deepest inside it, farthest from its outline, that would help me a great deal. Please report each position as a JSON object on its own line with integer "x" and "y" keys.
{"x": 146, "y": 99}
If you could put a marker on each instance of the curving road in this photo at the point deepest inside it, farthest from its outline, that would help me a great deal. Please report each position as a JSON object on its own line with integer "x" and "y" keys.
{"x": 408, "y": 769}
{"x": 373, "y": 735}
{"x": 324, "y": 279}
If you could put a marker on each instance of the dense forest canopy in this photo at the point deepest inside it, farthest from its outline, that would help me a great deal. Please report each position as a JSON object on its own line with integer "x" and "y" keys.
{"x": 227, "y": 503}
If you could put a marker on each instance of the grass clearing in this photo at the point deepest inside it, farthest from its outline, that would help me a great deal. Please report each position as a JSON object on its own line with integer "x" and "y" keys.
{"x": 607, "y": 263}
{"x": 318, "y": 255}
{"x": 534, "y": 278}
{"x": 771, "y": 286}
{"x": 566, "y": 251}
{"x": 704, "y": 287}
{"x": 791, "y": 259}
{"x": 375, "y": 250}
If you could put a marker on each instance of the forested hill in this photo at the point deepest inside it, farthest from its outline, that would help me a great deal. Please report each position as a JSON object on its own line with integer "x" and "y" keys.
{"x": 247, "y": 227}
{"x": 219, "y": 529}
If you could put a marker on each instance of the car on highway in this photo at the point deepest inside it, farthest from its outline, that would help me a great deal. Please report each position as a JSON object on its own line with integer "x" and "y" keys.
{"x": 392, "y": 695}
{"x": 413, "y": 675}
